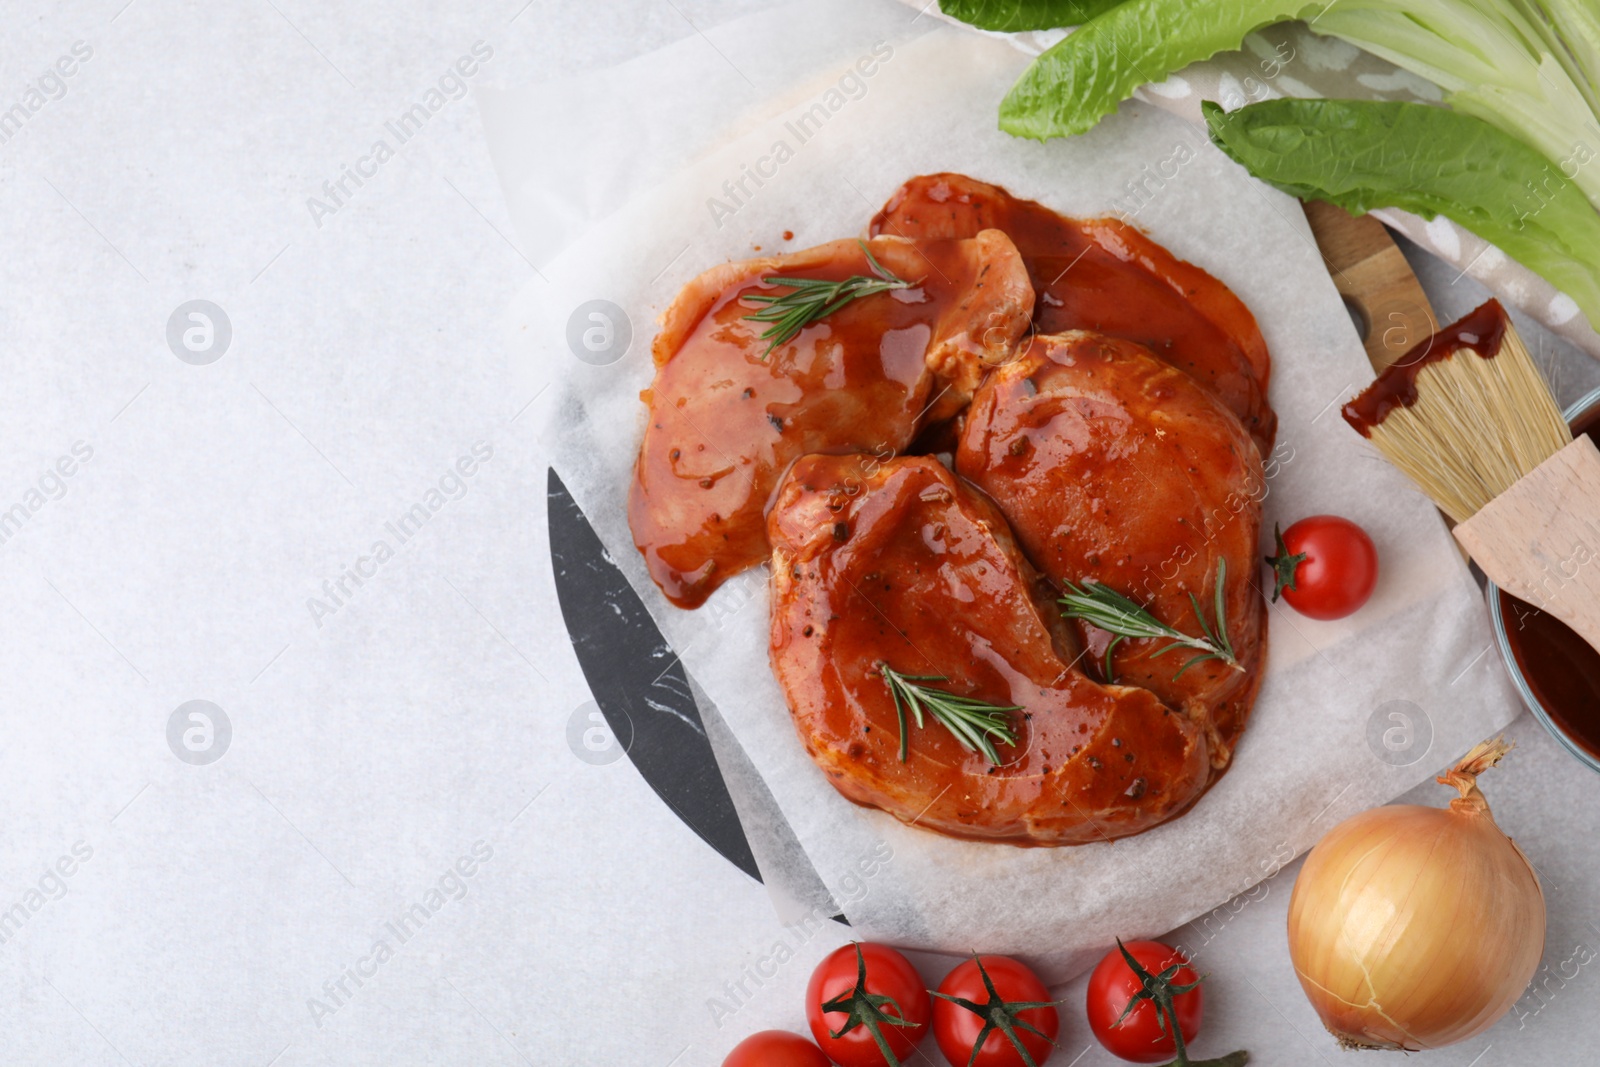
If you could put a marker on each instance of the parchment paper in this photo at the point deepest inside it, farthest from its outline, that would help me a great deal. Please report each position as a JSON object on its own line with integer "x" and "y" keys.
{"x": 1409, "y": 680}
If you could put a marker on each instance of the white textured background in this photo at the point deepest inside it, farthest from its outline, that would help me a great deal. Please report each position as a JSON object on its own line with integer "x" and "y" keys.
{"x": 429, "y": 711}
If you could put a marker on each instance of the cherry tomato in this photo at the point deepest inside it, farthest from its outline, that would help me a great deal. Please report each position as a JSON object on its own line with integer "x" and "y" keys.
{"x": 1010, "y": 984}
{"x": 1140, "y": 1037}
{"x": 866, "y": 987}
{"x": 1326, "y": 566}
{"x": 775, "y": 1048}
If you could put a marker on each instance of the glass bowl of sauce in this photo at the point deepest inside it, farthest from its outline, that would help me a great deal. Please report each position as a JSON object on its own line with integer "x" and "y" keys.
{"x": 1555, "y": 670}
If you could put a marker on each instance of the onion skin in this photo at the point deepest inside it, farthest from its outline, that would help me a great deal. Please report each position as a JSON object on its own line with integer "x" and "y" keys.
{"x": 1413, "y": 927}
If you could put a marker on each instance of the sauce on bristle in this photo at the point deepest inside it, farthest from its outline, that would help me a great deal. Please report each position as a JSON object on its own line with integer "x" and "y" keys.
{"x": 1483, "y": 330}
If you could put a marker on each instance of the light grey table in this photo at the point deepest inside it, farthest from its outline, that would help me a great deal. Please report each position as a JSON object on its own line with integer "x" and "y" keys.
{"x": 373, "y": 842}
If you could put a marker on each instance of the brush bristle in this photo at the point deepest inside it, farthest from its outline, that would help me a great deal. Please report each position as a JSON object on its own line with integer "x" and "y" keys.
{"x": 1478, "y": 425}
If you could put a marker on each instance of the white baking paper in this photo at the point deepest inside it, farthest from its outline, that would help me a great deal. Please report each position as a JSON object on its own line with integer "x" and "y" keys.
{"x": 1351, "y": 713}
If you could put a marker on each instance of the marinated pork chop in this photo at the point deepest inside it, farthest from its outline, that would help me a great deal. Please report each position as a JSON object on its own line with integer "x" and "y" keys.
{"x": 1104, "y": 275}
{"x": 727, "y": 417}
{"x": 1115, "y": 467}
{"x": 901, "y": 563}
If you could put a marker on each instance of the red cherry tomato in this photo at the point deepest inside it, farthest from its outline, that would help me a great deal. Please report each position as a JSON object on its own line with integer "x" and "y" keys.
{"x": 775, "y": 1048}
{"x": 1326, "y": 567}
{"x": 850, "y": 987}
{"x": 957, "y": 1028}
{"x": 1140, "y": 1037}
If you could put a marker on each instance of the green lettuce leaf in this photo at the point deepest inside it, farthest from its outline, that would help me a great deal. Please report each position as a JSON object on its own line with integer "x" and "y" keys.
{"x": 1530, "y": 67}
{"x": 1495, "y": 60}
{"x": 1013, "y": 15}
{"x": 1576, "y": 24}
{"x": 1429, "y": 161}
{"x": 1083, "y": 78}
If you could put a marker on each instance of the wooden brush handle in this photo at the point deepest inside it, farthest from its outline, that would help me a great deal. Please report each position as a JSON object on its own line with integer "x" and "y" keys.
{"x": 1540, "y": 539}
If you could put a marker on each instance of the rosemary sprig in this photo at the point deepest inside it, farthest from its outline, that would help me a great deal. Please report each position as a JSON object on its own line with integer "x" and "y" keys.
{"x": 976, "y": 724}
{"x": 811, "y": 299}
{"x": 1114, "y": 613}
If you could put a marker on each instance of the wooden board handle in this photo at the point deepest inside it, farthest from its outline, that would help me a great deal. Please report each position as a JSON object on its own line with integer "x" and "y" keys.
{"x": 1392, "y": 312}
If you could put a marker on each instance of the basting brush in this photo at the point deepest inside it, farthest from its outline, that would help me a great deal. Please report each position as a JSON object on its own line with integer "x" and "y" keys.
{"x": 1467, "y": 416}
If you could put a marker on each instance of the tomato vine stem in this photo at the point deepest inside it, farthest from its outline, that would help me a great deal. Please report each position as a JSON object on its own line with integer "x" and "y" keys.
{"x": 1284, "y": 565}
{"x": 866, "y": 1009}
{"x": 1160, "y": 991}
{"x": 1000, "y": 1014}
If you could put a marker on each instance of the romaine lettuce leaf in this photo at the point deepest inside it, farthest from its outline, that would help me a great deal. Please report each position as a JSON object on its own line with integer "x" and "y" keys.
{"x": 1494, "y": 62}
{"x": 1429, "y": 161}
{"x": 1530, "y": 67}
{"x": 1013, "y": 15}
{"x": 1571, "y": 30}
{"x": 1083, "y": 78}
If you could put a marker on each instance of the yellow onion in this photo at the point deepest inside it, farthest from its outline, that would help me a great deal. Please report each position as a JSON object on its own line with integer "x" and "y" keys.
{"x": 1412, "y": 927}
